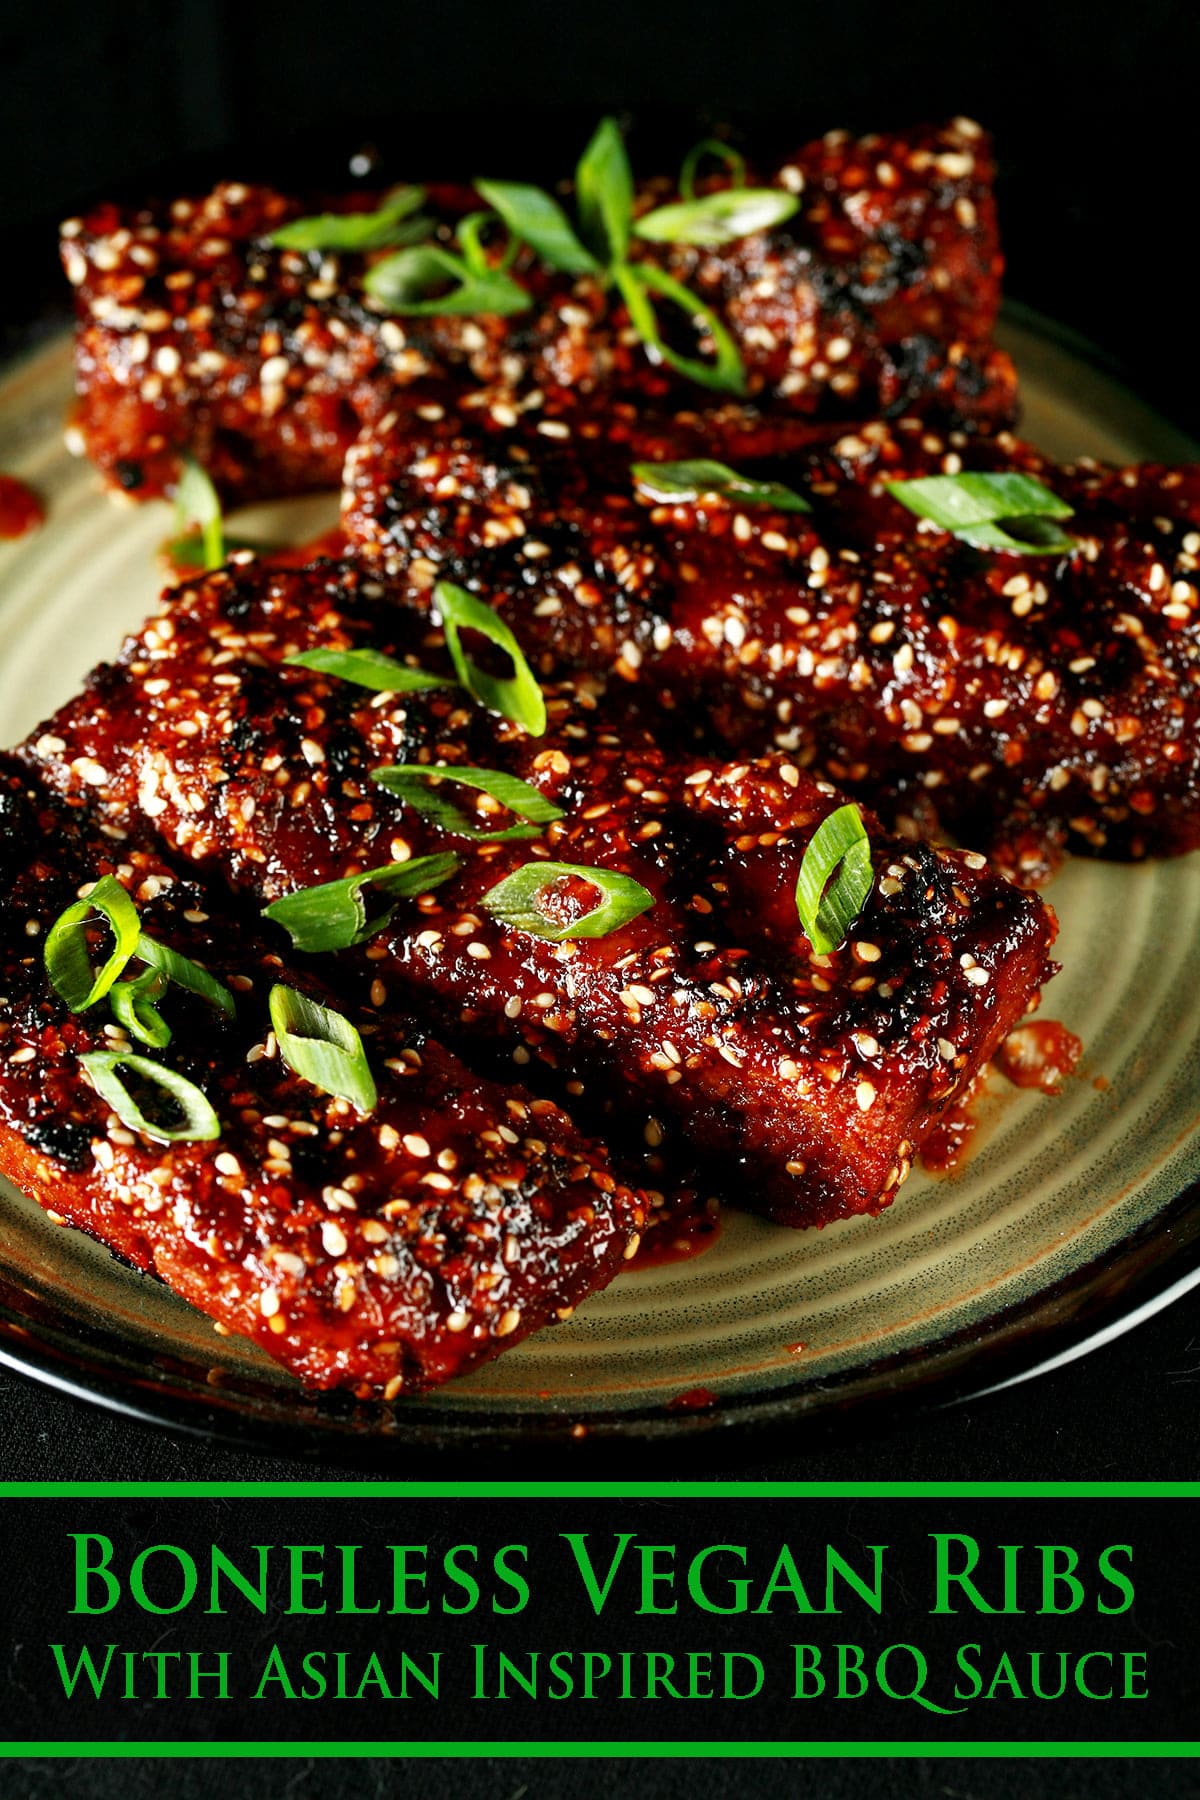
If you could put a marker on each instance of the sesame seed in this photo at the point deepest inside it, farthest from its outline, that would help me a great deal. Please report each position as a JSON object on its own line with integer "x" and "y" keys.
{"x": 91, "y": 772}
{"x": 333, "y": 1238}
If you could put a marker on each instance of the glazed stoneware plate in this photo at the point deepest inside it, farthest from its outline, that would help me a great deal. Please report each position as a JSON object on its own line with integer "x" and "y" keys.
{"x": 1070, "y": 1218}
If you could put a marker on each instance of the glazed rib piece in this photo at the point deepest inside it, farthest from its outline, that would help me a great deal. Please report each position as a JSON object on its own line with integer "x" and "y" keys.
{"x": 805, "y": 1083}
{"x": 1026, "y": 703}
{"x": 384, "y": 1253}
{"x": 195, "y": 334}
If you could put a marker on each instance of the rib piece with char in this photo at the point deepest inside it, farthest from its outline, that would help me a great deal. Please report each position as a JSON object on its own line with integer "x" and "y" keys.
{"x": 806, "y": 1082}
{"x": 1026, "y": 703}
{"x": 195, "y": 334}
{"x": 383, "y": 1253}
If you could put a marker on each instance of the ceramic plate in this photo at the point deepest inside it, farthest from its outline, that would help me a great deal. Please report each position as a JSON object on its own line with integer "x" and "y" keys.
{"x": 1070, "y": 1218}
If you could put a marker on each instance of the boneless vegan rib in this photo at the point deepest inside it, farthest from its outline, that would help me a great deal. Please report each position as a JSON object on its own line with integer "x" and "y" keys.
{"x": 384, "y": 1252}
{"x": 809, "y": 1079}
{"x": 1027, "y": 702}
{"x": 197, "y": 334}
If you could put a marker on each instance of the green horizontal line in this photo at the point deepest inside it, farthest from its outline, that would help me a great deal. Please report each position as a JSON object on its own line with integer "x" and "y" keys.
{"x": 619, "y": 1490}
{"x": 572, "y": 1749}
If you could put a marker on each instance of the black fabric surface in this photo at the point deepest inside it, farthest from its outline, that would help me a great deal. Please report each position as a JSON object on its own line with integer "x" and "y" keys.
{"x": 527, "y": 1780}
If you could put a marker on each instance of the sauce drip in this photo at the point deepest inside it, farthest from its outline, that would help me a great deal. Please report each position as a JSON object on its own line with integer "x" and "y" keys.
{"x": 677, "y": 1238}
{"x": 1039, "y": 1055}
{"x": 949, "y": 1139}
{"x": 693, "y": 1400}
{"x": 20, "y": 509}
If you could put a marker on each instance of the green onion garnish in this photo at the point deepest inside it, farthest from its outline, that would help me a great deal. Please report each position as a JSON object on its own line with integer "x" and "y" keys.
{"x": 369, "y": 669}
{"x": 185, "y": 973}
{"x": 187, "y": 552}
{"x": 517, "y": 696}
{"x": 133, "y": 1006}
{"x": 426, "y": 280}
{"x": 68, "y": 963}
{"x": 835, "y": 878}
{"x": 637, "y": 282}
{"x": 517, "y": 901}
{"x": 733, "y": 160}
{"x": 390, "y": 224}
{"x": 604, "y": 194}
{"x": 73, "y": 978}
{"x": 604, "y": 199}
{"x": 671, "y": 482}
{"x": 410, "y": 783}
{"x": 322, "y": 1047}
{"x": 1027, "y": 536}
{"x": 469, "y": 236}
{"x": 973, "y": 505}
{"x": 536, "y": 217}
{"x": 717, "y": 218}
{"x": 333, "y": 915}
{"x": 199, "y": 1122}
{"x": 198, "y": 505}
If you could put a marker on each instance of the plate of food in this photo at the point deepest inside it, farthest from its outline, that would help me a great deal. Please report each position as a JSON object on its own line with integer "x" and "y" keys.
{"x": 633, "y": 883}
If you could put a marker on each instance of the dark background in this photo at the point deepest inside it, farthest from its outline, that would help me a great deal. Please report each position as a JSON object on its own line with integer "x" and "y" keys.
{"x": 1094, "y": 114}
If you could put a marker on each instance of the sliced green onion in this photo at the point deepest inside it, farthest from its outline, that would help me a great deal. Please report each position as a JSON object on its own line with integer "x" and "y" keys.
{"x": 369, "y": 669}
{"x": 200, "y": 1123}
{"x": 469, "y": 236}
{"x": 68, "y": 963}
{"x": 726, "y": 373}
{"x": 675, "y": 481}
{"x": 198, "y": 504}
{"x": 185, "y": 973}
{"x": 187, "y": 552}
{"x": 333, "y": 915}
{"x": 536, "y": 217}
{"x": 322, "y": 1047}
{"x": 604, "y": 194}
{"x": 718, "y": 218}
{"x": 517, "y": 901}
{"x": 835, "y": 878}
{"x": 133, "y": 1006}
{"x": 733, "y": 160}
{"x": 410, "y": 783}
{"x": 427, "y": 281}
{"x": 971, "y": 505}
{"x": 518, "y": 696}
{"x": 1030, "y": 536}
{"x": 390, "y": 224}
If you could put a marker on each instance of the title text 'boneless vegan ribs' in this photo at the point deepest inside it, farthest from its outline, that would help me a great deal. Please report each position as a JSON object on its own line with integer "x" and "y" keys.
{"x": 813, "y": 1078}
{"x": 386, "y": 1252}
{"x": 198, "y": 334}
{"x": 1025, "y": 702}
